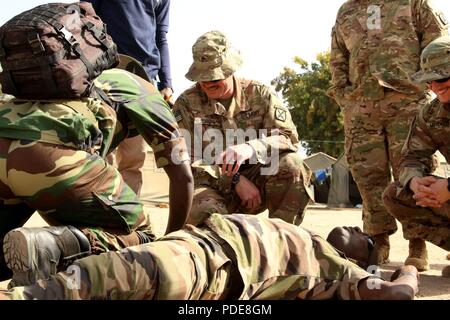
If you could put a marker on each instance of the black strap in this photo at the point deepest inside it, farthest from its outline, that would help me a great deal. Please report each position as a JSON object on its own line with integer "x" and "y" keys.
{"x": 98, "y": 34}
{"x": 35, "y": 43}
{"x": 102, "y": 95}
{"x": 90, "y": 68}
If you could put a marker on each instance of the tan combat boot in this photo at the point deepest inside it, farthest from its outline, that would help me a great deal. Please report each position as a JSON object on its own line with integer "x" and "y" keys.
{"x": 418, "y": 255}
{"x": 382, "y": 242}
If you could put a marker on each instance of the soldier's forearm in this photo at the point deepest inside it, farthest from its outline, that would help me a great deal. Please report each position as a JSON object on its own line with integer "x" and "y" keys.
{"x": 180, "y": 194}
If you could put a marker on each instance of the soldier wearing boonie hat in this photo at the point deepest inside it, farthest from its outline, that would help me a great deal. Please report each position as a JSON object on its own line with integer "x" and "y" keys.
{"x": 214, "y": 58}
{"x": 420, "y": 201}
{"x": 230, "y": 181}
{"x": 434, "y": 61}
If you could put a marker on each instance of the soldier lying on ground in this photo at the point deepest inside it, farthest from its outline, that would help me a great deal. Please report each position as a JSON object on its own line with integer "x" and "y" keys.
{"x": 51, "y": 162}
{"x": 231, "y": 257}
{"x": 421, "y": 201}
{"x": 239, "y": 115}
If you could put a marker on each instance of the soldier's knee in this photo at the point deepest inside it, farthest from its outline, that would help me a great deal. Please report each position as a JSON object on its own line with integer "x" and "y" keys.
{"x": 390, "y": 194}
{"x": 291, "y": 166}
{"x": 392, "y": 203}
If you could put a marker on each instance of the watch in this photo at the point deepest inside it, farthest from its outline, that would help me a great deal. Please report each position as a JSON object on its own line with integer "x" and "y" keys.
{"x": 235, "y": 180}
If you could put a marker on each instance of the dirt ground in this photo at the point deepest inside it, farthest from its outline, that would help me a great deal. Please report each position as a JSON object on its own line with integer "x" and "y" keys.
{"x": 322, "y": 220}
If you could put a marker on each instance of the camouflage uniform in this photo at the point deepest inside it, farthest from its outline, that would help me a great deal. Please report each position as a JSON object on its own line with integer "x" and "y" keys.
{"x": 252, "y": 107}
{"x": 375, "y": 49}
{"x": 51, "y": 159}
{"x": 228, "y": 257}
{"x": 429, "y": 133}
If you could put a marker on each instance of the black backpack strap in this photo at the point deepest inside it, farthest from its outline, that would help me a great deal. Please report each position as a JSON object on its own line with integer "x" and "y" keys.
{"x": 121, "y": 115}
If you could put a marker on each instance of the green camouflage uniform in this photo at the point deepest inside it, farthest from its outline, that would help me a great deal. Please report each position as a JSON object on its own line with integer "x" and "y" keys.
{"x": 51, "y": 159}
{"x": 228, "y": 257}
{"x": 253, "y": 106}
{"x": 376, "y": 46}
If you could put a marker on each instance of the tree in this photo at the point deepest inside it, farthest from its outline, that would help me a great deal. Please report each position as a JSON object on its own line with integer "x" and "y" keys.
{"x": 317, "y": 116}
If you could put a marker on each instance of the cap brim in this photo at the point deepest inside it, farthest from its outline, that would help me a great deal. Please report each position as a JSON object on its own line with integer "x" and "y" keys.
{"x": 199, "y": 75}
{"x": 132, "y": 65}
{"x": 428, "y": 76}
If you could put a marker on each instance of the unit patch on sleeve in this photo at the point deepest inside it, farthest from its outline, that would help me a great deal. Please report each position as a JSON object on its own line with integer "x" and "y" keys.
{"x": 280, "y": 115}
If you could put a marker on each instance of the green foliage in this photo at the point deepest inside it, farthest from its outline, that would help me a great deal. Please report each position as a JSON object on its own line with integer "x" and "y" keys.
{"x": 317, "y": 117}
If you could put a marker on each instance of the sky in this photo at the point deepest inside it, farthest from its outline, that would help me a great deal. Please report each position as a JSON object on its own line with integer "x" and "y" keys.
{"x": 268, "y": 33}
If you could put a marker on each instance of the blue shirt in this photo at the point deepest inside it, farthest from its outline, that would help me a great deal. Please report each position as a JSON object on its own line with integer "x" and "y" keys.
{"x": 139, "y": 28}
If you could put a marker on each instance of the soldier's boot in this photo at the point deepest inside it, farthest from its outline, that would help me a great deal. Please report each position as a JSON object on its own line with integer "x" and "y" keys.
{"x": 418, "y": 255}
{"x": 38, "y": 253}
{"x": 382, "y": 241}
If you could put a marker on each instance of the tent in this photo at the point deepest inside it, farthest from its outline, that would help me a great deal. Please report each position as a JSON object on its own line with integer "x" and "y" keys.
{"x": 321, "y": 165}
{"x": 343, "y": 189}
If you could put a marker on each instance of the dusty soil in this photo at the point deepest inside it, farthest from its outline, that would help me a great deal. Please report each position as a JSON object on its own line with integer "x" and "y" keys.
{"x": 322, "y": 220}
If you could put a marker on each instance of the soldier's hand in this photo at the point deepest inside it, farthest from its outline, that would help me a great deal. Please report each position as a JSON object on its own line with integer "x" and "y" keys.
{"x": 442, "y": 195}
{"x": 167, "y": 93}
{"x": 233, "y": 157}
{"x": 423, "y": 194}
{"x": 248, "y": 193}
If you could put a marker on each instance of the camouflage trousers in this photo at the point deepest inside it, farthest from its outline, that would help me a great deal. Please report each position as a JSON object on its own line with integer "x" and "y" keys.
{"x": 196, "y": 264}
{"x": 284, "y": 194}
{"x": 429, "y": 224}
{"x": 68, "y": 187}
{"x": 129, "y": 158}
{"x": 374, "y": 136}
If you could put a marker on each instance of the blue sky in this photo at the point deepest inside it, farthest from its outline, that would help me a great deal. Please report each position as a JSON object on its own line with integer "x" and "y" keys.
{"x": 269, "y": 33}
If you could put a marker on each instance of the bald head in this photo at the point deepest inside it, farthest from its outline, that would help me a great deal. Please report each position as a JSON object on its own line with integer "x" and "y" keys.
{"x": 354, "y": 244}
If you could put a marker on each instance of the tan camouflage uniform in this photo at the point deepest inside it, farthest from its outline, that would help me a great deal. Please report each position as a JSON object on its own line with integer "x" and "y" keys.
{"x": 429, "y": 133}
{"x": 228, "y": 257}
{"x": 376, "y": 46}
{"x": 52, "y": 160}
{"x": 253, "y": 107}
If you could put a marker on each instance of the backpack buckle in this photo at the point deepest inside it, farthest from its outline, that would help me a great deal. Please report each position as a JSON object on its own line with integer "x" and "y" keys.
{"x": 67, "y": 35}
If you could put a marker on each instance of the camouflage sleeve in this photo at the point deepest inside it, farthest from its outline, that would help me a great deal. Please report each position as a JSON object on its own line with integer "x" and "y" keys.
{"x": 107, "y": 120}
{"x": 339, "y": 66}
{"x": 281, "y": 131}
{"x": 430, "y": 22}
{"x": 148, "y": 114}
{"x": 417, "y": 152}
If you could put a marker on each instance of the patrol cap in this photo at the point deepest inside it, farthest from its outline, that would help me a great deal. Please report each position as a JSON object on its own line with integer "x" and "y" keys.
{"x": 214, "y": 58}
{"x": 130, "y": 64}
{"x": 434, "y": 61}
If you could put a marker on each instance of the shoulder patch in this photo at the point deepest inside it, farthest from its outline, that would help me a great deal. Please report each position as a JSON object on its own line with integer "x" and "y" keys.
{"x": 443, "y": 18}
{"x": 280, "y": 114}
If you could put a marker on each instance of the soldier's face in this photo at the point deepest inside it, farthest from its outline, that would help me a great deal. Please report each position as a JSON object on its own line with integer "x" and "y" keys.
{"x": 354, "y": 244}
{"x": 442, "y": 89}
{"x": 219, "y": 89}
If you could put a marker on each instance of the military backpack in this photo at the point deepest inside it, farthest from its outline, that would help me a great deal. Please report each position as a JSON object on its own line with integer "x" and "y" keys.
{"x": 54, "y": 51}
